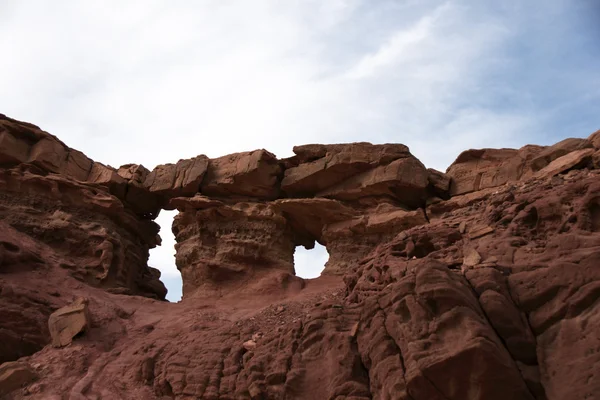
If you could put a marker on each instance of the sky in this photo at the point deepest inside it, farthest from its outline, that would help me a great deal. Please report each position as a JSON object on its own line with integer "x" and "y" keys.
{"x": 154, "y": 81}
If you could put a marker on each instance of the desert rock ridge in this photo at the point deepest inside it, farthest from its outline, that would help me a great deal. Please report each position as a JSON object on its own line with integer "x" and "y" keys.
{"x": 478, "y": 283}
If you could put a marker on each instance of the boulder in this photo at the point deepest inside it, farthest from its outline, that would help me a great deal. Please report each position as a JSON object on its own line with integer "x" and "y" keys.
{"x": 180, "y": 179}
{"x": 107, "y": 176}
{"x": 49, "y": 154}
{"x": 471, "y": 258}
{"x": 404, "y": 179}
{"x": 557, "y": 150}
{"x": 133, "y": 173}
{"x": 69, "y": 321}
{"x": 322, "y": 166}
{"x": 138, "y": 197}
{"x": 575, "y": 159}
{"x": 439, "y": 183}
{"x": 77, "y": 166}
{"x": 254, "y": 174}
{"x": 249, "y": 345}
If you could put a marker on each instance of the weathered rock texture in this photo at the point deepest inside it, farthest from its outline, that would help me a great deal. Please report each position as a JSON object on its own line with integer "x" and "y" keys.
{"x": 67, "y": 322}
{"x": 481, "y": 283}
{"x": 224, "y": 247}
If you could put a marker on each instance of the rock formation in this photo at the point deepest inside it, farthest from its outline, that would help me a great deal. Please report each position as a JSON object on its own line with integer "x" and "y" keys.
{"x": 478, "y": 283}
{"x": 68, "y": 322}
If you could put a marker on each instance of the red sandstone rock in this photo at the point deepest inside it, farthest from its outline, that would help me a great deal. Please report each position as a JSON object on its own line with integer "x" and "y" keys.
{"x": 251, "y": 175}
{"x": 390, "y": 220}
{"x": 404, "y": 179}
{"x": 133, "y": 173}
{"x": 67, "y": 322}
{"x": 322, "y": 166}
{"x": 219, "y": 248}
{"x": 181, "y": 179}
{"x": 475, "y": 170}
{"x": 439, "y": 183}
{"x": 26, "y": 143}
{"x": 48, "y": 154}
{"x": 595, "y": 139}
{"x": 472, "y": 258}
{"x": 13, "y": 376}
{"x": 578, "y": 158}
{"x": 77, "y": 166}
{"x": 16, "y": 140}
{"x": 350, "y": 240}
{"x": 557, "y": 150}
{"x": 108, "y": 177}
{"x": 198, "y": 202}
{"x": 491, "y": 294}
{"x": 99, "y": 240}
{"x": 12, "y": 150}
{"x": 308, "y": 217}
{"x": 479, "y": 231}
{"x": 137, "y": 195}
{"x": 596, "y": 159}
{"x": 22, "y": 130}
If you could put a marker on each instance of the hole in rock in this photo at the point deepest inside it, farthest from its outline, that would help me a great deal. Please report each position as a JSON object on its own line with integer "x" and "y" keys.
{"x": 310, "y": 263}
{"x": 163, "y": 257}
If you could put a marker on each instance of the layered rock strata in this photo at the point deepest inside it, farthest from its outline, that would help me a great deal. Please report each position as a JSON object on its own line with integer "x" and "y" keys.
{"x": 480, "y": 283}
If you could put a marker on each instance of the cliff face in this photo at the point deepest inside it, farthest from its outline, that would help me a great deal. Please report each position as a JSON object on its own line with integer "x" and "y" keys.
{"x": 480, "y": 283}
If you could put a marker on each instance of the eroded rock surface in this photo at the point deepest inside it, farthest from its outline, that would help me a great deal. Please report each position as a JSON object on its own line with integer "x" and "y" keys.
{"x": 222, "y": 247}
{"x": 250, "y": 175}
{"x": 482, "y": 283}
{"x": 13, "y": 376}
{"x": 355, "y": 171}
{"x": 69, "y": 321}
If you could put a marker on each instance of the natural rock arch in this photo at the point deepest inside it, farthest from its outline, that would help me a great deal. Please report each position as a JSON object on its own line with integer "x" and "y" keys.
{"x": 440, "y": 288}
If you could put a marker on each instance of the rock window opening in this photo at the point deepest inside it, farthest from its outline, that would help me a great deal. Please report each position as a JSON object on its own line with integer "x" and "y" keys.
{"x": 310, "y": 264}
{"x": 163, "y": 257}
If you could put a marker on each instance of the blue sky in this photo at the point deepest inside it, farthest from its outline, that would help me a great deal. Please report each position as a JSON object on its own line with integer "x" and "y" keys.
{"x": 154, "y": 81}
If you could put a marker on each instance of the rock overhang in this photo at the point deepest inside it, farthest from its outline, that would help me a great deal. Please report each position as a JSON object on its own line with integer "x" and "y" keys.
{"x": 343, "y": 196}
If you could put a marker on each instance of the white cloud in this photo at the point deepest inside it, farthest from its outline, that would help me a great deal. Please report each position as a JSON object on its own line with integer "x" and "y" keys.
{"x": 152, "y": 81}
{"x": 398, "y": 48}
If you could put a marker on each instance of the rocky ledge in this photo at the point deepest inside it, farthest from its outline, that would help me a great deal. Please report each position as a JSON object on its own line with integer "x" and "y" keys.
{"x": 479, "y": 283}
